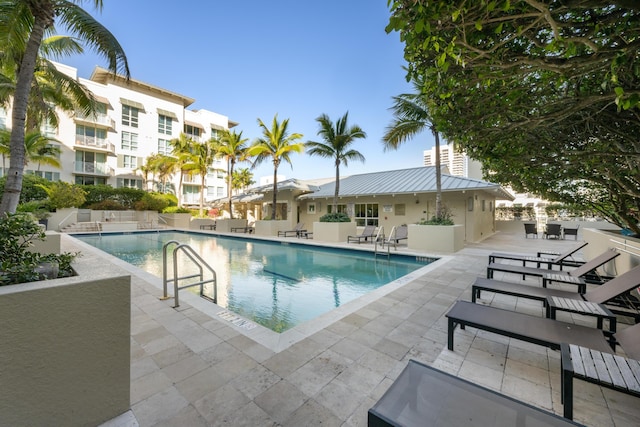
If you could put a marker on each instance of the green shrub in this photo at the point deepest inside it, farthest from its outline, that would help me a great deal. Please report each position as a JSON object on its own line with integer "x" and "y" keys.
{"x": 107, "y": 205}
{"x": 436, "y": 221}
{"x": 17, "y": 263}
{"x": 335, "y": 217}
{"x": 152, "y": 202}
{"x": 38, "y": 208}
{"x": 175, "y": 209}
{"x": 64, "y": 195}
{"x": 31, "y": 188}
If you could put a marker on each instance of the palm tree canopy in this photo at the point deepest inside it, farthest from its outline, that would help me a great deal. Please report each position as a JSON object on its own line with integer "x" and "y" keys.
{"x": 411, "y": 117}
{"x": 336, "y": 140}
{"x": 276, "y": 143}
{"x": 38, "y": 148}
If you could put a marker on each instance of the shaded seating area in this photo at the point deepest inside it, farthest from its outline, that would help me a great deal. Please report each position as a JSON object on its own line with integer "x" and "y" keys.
{"x": 553, "y": 230}
{"x": 530, "y": 228}
{"x": 565, "y": 258}
{"x": 369, "y": 232}
{"x": 576, "y": 277}
{"x": 297, "y": 231}
{"x": 601, "y": 294}
{"x": 425, "y": 396}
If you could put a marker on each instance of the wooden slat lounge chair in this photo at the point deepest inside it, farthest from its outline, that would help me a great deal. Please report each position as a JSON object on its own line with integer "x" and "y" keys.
{"x": 425, "y": 396}
{"x": 601, "y": 294}
{"x": 537, "y": 330}
{"x": 369, "y": 232}
{"x": 559, "y": 260}
{"x": 602, "y": 368}
{"x": 575, "y": 277}
{"x": 295, "y": 232}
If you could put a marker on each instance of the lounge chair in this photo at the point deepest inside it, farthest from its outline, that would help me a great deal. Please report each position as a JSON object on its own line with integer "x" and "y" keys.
{"x": 295, "y": 232}
{"x": 571, "y": 232}
{"x": 249, "y": 228}
{"x": 553, "y": 230}
{"x": 530, "y": 228}
{"x": 425, "y": 396}
{"x": 602, "y": 294}
{"x": 559, "y": 260}
{"x": 537, "y": 330}
{"x": 369, "y": 232}
{"x": 397, "y": 234}
{"x": 601, "y": 368}
{"x": 576, "y": 277}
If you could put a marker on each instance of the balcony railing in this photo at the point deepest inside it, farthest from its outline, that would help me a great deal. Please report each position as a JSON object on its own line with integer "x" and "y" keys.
{"x": 93, "y": 168}
{"x": 94, "y": 142}
{"x": 98, "y": 119}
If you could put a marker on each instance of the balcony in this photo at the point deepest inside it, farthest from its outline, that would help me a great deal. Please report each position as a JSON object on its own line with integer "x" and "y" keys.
{"x": 101, "y": 120}
{"x": 98, "y": 144}
{"x": 93, "y": 168}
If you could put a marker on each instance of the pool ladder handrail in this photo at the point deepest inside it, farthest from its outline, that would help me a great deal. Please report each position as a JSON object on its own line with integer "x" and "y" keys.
{"x": 377, "y": 239}
{"x": 196, "y": 259}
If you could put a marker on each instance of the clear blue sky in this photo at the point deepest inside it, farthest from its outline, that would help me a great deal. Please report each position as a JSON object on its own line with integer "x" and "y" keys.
{"x": 254, "y": 58}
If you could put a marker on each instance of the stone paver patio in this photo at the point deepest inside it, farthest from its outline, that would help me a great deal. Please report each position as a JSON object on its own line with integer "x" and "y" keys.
{"x": 192, "y": 368}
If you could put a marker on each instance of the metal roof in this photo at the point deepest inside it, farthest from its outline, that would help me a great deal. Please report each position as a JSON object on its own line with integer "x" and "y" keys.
{"x": 403, "y": 181}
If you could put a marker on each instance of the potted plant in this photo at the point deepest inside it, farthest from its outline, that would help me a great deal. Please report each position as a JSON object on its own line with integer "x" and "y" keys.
{"x": 334, "y": 227}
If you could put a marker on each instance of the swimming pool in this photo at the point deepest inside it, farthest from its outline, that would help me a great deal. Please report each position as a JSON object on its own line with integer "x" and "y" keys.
{"x": 273, "y": 284}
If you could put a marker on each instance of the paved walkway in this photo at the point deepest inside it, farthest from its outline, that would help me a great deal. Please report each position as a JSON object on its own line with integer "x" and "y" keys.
{"x": 189, "y": 368}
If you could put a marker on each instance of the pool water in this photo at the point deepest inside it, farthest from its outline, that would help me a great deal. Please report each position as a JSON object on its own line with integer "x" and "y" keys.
{"x": 275, "y": 285}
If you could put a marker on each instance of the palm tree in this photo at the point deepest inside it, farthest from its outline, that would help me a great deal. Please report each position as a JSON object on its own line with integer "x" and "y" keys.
{"x": 278, "y": 145}
{"x": 164, "y": 166}
{"x": 23, "y": 24}
{"x": 233, "y": 148}
{"x": 149, "y": 168}
{"x": 242, "y": 178}
{"x": 411, "y": 117}
{"x": 37, "y": 148}
{"x": 336, "y": 145}
{"x": 181, "y": 149}
{"x": 202, "y": 155}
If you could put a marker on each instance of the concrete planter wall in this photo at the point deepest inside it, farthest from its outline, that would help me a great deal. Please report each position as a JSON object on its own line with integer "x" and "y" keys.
{"x": 176, "y": 220}
{"x": 271, "y": 228}
{"x": 333, "y": 231}
{"x": 436, "y": 238}
{"x": 225, "y": 225}
{"x": 65, "y": 354}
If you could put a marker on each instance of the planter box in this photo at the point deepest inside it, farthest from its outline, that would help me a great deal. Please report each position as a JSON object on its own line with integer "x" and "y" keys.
{"x": 333, "y": 231}
{"x": 225, "y": 225}
{"x": 436, "y": 238}
{"x": 51, "y": 244}
{"x": 271, "y": 228}
{"x": 177, "y": 220}
{"x": 65, "y": 354}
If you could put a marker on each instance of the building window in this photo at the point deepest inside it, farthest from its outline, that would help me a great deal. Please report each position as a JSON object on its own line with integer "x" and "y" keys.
{"x": 130, "y": 116}
{"x": 366, "y": 214}
{"x": 311, "y": 208}
{"x": 129, "y": 161}
{"x": 49, "y": 176}
{"x": 3, "y": 118}
{"x": 220, "y": 192}
{"x": 89, "y": 135}
{"x": 129, "y": 183}
{"x": 192, "y": 131}
{"x": 165, "y": 124}
{"x": 164, "y": 147}
{"x": 90, "y": 180}
{"x": 129, "y": 141}
{"x": 341, "y": 208}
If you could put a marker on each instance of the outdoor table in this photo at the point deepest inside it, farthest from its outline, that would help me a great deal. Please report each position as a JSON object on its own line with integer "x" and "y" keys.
{"x": 425, "y": 396}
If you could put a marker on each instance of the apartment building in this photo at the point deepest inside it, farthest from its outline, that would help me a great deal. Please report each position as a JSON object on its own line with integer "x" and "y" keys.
{"x": 134, "y": 120}
{"x": 458, "y": 163}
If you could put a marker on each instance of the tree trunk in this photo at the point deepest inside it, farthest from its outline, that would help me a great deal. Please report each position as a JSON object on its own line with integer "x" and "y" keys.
{"x": 438, "y": 175}
{"x": 229, "y": 182}
{"x": 337, "y": 191}
{"x": 275, "y": 191}
{"x": 13, "y": 185}
{"x": 202, "y": 189}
